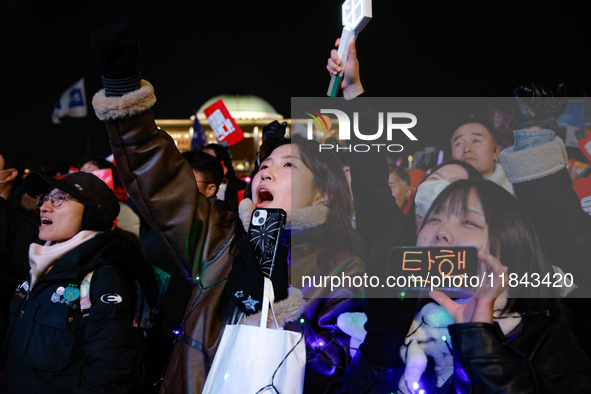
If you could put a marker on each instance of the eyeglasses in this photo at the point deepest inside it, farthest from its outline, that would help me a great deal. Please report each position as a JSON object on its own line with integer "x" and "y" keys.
{"x": 57, "y": 199}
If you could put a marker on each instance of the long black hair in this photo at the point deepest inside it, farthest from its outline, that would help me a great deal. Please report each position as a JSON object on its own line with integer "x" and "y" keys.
{"x": 513, "y": 241}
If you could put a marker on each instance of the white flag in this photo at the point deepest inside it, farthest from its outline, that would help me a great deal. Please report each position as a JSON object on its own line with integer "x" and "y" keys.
{"x": 71, "y": 103}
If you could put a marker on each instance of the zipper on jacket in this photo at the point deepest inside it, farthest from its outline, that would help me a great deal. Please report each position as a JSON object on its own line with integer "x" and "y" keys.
{"x": 24, "y": 306}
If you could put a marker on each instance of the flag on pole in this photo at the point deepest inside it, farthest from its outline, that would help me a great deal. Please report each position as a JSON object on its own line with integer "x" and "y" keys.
{"x": 71, "y": 103}
{"x": 198, "y": 139}
{"x": 222, "y": 123}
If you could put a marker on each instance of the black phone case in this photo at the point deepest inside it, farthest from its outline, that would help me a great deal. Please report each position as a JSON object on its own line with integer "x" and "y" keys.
{"x": 265, "y": 237}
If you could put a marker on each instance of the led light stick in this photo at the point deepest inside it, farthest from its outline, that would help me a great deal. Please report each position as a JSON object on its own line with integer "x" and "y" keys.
{"x": 356, "y": 14}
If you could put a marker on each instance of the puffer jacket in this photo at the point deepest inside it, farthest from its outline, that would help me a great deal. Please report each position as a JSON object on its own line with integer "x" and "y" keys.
{"x": 203, "y": 242}
{"x": 50, "y": 347}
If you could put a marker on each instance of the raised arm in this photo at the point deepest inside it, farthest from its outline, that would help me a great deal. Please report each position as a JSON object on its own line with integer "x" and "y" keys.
{"x": 376, "y": 214}
{"x": 153, "y": 171}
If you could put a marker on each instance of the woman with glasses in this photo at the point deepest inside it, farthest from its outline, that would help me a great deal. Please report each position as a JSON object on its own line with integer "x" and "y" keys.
{"x": 63, "y": 337}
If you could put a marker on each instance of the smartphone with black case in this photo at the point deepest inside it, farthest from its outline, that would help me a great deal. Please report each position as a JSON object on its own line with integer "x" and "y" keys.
{"x": 265, "y": 232}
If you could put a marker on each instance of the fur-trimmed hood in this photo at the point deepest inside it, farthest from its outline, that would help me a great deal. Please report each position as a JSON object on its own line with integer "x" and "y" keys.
{"x": 534, "y": 163}
{"x": 297, "y": 219}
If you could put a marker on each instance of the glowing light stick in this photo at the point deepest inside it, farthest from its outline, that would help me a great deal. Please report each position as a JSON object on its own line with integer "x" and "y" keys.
{"x": 356, "y": 14}
{"x": 440, "y": 157}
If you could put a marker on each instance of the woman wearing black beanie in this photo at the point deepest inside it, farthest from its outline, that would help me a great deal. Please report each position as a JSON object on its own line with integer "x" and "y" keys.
{"x": 64, "y": 337}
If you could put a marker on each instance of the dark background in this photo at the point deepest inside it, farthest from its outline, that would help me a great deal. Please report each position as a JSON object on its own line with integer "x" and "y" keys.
{"x": 194, "y": 50}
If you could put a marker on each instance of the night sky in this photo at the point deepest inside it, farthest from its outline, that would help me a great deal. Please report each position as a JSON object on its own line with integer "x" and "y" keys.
{"x": 191, "y": 51}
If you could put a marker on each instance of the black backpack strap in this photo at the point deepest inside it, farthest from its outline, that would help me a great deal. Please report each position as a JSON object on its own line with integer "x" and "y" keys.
{"x": 84, "y": 300}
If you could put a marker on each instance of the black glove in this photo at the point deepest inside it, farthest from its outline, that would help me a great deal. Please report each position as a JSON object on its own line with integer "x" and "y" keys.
{"x": 535, "y": 101}
{"x": 246, "y": 280}
{"x": 274, "y": 130}
{"x": 117, "y": 51}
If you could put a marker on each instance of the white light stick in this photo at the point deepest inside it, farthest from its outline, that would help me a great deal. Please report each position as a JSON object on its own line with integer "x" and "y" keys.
{"x": 356, "y": 14}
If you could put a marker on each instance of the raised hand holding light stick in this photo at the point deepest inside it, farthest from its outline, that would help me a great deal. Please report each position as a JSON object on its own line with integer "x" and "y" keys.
{"x": 356, "y": 14}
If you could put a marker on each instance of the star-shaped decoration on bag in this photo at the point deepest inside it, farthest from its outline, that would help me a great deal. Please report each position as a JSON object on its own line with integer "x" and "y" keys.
{"x": 239, "y": 294}
{"x": 250, "y": 303}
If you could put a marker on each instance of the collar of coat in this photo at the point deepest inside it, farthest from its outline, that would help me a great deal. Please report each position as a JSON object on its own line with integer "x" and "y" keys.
{"x": 43, "y": 257}
{"x": 297, "y": 219}
{"x": 103, "y": 249}
{"x": 500, "y": 178}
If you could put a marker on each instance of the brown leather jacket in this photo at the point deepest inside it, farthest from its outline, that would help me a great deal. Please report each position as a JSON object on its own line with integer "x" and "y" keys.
{"x": 202, "y": 242}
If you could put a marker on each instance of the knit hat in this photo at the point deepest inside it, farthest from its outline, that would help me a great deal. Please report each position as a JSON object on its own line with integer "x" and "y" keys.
{"x": 83, "y": 186}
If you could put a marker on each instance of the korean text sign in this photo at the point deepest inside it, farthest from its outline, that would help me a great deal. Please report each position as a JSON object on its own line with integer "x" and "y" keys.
{"x": 222, "y": 123}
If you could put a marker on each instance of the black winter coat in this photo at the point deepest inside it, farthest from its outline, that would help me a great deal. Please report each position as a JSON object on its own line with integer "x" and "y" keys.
{"x": 50, "y": 348}
{"x": 542, "y": 357}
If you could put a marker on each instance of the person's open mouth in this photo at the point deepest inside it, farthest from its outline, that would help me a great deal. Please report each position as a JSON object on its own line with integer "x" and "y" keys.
{"x": 264, "y": 197}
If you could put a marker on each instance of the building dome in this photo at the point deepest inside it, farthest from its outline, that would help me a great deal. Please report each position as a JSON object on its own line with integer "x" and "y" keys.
{"x": 243, "y": 107}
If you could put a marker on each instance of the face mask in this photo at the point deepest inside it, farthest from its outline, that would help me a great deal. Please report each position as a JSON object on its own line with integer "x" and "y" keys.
{"x": 427, "y": 193}
{"x": 10, "y": 169}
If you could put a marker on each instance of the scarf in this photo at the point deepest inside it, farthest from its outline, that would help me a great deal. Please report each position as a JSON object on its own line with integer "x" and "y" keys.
{"x": 297, "y": 219}
{"x": 43, "y": 257}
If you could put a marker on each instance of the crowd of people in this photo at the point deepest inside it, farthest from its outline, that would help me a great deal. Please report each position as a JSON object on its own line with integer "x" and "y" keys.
{"x": 80, "y": 255}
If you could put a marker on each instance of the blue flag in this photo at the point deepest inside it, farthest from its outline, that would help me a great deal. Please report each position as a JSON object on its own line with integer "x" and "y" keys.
{"x": 71, "y": 103}
{"x": 199, "y": 138}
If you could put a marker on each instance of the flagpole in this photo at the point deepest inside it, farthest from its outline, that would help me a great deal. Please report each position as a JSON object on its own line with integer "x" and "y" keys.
{"x": 88, "y": 127}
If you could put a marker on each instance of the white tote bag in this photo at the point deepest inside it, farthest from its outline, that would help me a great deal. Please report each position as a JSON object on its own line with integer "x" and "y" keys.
{"x": 249, "y": 358}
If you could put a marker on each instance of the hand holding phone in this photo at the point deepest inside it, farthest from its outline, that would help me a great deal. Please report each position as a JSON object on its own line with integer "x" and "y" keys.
{"x": 265, "y": 233}
{"x": 245, "y": 283}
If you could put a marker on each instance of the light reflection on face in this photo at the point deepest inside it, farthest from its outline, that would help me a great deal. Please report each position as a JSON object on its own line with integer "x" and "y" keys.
{"x": 60, "y": 224}
{"x": 456, "y": 228}
{"x": 284, "y": 168}
{"x": 472, "y": 143}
